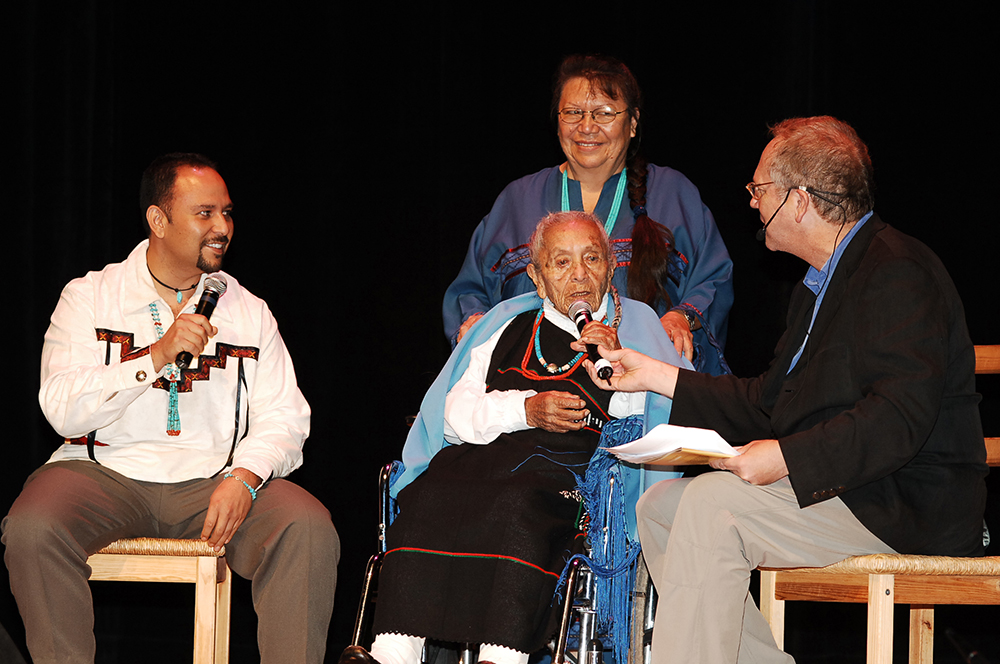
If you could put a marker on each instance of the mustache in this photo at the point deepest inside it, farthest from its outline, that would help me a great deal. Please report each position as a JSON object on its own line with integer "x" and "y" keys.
{"x": 219, "y": 238}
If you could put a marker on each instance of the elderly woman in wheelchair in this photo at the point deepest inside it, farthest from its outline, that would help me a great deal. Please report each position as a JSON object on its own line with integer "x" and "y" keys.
{"x": 487, "y": 502}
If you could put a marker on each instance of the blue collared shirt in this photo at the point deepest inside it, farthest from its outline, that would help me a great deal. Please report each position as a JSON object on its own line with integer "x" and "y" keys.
{"x": 818, "y": 280}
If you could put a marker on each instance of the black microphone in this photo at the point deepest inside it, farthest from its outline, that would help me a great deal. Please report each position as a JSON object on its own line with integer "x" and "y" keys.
{"x": 762, "y": 233}
{"x": 215, "y": 286}
{"x": 580, "y": 312}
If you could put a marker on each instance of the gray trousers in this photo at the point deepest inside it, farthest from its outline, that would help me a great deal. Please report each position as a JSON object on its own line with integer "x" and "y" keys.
{"x": 701, "y": 537}
{"x": 287, "y": 547}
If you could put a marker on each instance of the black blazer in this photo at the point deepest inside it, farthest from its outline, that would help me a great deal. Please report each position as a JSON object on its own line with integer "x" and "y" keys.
{"x": 881, "y": 408}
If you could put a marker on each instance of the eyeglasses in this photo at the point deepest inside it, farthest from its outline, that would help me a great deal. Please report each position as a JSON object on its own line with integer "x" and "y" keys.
{"x": 602, "y": 116}
{"x": 755, "y": 189}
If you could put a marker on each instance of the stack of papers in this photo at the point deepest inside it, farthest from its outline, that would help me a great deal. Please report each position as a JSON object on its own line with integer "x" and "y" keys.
{"x": 670, "y": 445}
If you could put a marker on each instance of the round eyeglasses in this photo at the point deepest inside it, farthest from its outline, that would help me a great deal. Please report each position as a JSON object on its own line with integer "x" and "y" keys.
{"x": 602, "y": 116}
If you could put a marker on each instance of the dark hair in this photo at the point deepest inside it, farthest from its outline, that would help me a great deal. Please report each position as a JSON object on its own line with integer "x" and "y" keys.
{"x": 652, "y": 243}
{"x": 611, "y": 77}
{"x": 828, "y": 157}
{"x": 157, "y": 185}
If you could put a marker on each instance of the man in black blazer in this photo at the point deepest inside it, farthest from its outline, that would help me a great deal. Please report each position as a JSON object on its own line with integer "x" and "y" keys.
{"x": 863, "y": 435}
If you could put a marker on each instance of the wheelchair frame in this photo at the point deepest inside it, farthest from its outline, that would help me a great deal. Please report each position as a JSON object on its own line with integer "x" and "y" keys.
{"x": 578, "y": 606}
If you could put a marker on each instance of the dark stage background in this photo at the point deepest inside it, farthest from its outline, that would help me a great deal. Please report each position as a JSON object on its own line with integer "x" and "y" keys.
{"x": 362, "y": 145}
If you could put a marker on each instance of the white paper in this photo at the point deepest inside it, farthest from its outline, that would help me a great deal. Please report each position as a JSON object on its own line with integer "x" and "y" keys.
{"x": 667, "y": 438}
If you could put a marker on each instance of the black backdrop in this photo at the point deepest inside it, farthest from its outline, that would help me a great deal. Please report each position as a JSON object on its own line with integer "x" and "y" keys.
{"x": 361, "y": 146}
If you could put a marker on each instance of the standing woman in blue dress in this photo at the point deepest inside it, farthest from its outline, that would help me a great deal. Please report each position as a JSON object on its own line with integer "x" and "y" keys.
{"x": 669, "y": 251}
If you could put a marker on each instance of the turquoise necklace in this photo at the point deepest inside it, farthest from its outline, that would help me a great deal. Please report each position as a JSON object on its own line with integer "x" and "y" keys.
{"x": 615, "y": 204}
{"x": 549, "y": 366}
{"x": 552, "y": 368}
{"x": 172, "y": 374}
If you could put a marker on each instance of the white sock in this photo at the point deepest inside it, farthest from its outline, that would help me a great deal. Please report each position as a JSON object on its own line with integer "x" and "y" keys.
{"x": 500, "y": 655}
{"x": 397, "y": 649}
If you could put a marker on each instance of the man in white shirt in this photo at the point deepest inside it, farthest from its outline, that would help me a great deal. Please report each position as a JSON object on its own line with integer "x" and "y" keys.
{"x": 152, "y": 449}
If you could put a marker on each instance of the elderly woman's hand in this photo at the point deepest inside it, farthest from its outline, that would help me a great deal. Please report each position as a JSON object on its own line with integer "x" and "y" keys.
{"x": 677, "y": 328}
{"x": 599, "y": 334}
{"x": 558, "y": 412}
{"x": 467, "y": 325}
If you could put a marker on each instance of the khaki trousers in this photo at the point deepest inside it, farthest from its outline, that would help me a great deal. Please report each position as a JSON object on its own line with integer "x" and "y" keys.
{"x": 287, "y": 547}
{"x": 701, "y": 537}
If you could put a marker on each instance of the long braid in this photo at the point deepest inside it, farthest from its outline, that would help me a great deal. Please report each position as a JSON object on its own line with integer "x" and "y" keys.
{"x": 652, "y": 243}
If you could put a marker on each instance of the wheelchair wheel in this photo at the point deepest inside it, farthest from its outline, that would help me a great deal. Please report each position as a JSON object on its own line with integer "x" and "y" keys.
{"x": 643, "y": 610}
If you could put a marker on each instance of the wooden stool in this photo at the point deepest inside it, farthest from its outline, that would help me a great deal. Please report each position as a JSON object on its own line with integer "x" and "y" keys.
{"x": 881, "y": 580}
{"x": 177, "y": 561}
{"x": 884, "y": 579}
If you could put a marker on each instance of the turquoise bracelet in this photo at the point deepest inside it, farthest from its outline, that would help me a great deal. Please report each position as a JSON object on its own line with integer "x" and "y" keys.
{"x": 253, "y": 491}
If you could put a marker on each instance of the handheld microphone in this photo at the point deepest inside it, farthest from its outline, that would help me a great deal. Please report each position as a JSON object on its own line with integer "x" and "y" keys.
{"x": 215, "y": 286}
{"x": 581, "y": 314}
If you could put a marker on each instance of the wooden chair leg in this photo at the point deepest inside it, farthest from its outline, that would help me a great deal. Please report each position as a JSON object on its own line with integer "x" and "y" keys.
{"x": 772, "y": 608}
{"x": 205, "y": 596}
{"x": 881, "y": 589}
{"x": 224, "y": 591}
{"x": 921, "y": 634}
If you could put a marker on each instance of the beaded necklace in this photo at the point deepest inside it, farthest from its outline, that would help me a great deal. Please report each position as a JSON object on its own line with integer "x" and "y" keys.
{"x": 616, "y": 204}
{"x": 172, "y": 374}
{"x": 537, "y": 343}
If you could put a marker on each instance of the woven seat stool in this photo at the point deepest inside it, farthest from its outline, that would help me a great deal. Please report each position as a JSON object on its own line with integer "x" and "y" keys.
{"x": 884, "y": 579}
{"x": 881, "y": 580}
{"x": 177, "y": 561}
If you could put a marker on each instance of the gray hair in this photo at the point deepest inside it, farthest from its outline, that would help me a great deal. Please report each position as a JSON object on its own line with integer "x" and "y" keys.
{"x": 826, "y": 156}
{"x": 537, "y": 241}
